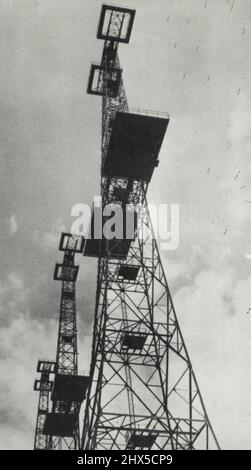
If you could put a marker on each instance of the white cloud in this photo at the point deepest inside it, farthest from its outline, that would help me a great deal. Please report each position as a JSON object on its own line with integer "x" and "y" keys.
{"x": 23, "y": 340}
{"x": 12, "y": 295}
{"x": 49, "y": 241}
{"x": 214, "y": 320}
{"x": 22, "y": 344}
{"x": 239, "y": 120}
{"x": 12, "y": 224}
{"x": 14, "y": 280}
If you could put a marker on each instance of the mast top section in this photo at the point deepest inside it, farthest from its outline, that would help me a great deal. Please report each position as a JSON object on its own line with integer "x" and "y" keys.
{"x": 115, "y": 23}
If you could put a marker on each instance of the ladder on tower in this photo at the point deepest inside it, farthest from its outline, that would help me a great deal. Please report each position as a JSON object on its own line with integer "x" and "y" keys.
{"x": 127, "y": 368}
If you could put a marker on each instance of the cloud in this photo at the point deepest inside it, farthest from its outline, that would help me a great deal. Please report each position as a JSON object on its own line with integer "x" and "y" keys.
{"x": 49, "y": 241}
{"x": 239, "y": 120}
{"x": 22, "y": 343}
{"x": 212, "y": 311}
{"x": 241, "y": 296}
{"x": 15, "y": 281}
{"x": 13, "y": 294}
{"x": 12, "y": 224}
{"x": 23, "y": 339}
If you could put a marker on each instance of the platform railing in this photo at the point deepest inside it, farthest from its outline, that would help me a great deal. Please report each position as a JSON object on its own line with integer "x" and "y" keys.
{"x": 148, "y": 112}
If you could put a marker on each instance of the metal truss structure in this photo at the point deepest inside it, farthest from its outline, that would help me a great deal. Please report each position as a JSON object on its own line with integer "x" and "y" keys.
{"x": 143, "y": 392}
{"x": 58, "y": 424}
{"x": 44, "y": 387}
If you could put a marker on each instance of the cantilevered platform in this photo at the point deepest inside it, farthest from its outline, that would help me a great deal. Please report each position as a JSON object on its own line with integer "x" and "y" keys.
{"x": 96, "y": 80}
{"x": 74, "y": 243}
{"x": 115, "y": 23}
{"x": 116, "y": 248}
{"x": 65, "y": 273}
{"x": 70, "y": 387}
{"x": 134, "y": 146}
{"x": 128, "y": 272}
{"x": 141, "y": 440}
{"x": 46, "y": 366}
{"x": 133, "y": 340}
{"x": 42, "y": 386}
{"x": 59, "y": 424}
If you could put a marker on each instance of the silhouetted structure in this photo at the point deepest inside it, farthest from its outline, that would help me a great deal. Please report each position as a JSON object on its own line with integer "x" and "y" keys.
{"x": 143, "y": 392}
{"x": 58, "y": 424}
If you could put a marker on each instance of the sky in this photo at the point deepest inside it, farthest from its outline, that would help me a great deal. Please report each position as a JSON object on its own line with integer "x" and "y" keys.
{"x": 189, "y": 58}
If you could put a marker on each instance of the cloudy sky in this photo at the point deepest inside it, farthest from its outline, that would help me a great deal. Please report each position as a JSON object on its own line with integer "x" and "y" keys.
{"x": 186, "y": 57}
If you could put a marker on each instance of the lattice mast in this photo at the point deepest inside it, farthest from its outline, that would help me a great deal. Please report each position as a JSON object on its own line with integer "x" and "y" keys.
{"x": 44, "y": 387}
{"x": 63, "y": 397}
{"x": 143, "y": 391}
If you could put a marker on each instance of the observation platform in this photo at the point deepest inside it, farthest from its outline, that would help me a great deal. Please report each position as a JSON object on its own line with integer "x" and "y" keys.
{"x": 43, "y": 386}
{"x": 59, "y": 424}
{"x": 71, "y": 388}
{"x": 115, "y": 23}
{"x": 65, "y": 273}
{"x": 133, "y": 340}
{"x": 128, "y": 272}
{"x": 73, "y": 243}
{"x": 46, "y": 366}
{"x": 96, "y": 80}
{"x": 117, "y": 247}
{"x": 134, "y": 145}
{"x": 141, "y": 439}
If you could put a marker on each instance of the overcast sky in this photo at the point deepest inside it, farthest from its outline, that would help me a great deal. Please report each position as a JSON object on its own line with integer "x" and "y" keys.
{"x": 190, "y": 58}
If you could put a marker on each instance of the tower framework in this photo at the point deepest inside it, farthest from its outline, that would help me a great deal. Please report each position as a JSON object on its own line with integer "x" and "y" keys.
{"x": 143, "y": 392}
{"x": 44, "y": 387}
{"x": 60, "y": 399}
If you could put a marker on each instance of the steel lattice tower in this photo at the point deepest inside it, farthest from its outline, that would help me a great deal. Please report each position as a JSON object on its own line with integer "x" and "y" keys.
{"x": 143, "y": 392}
{"x": 58, "y": 425}
{"x": 44, "y": 386}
